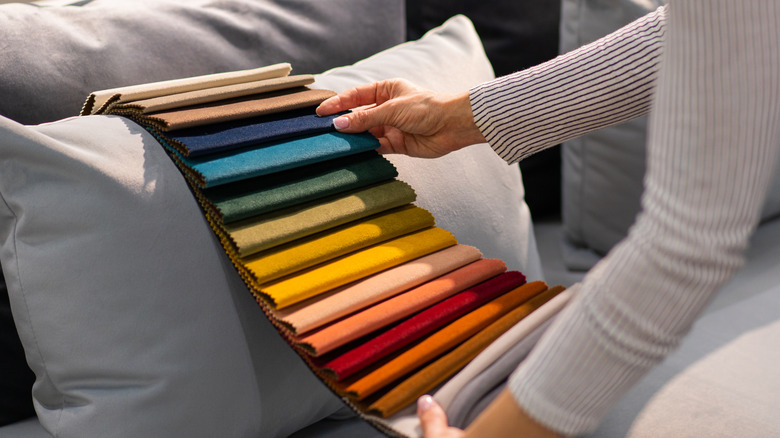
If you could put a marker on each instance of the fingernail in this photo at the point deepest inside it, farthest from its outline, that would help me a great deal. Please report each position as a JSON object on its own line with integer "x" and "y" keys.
{"x": 341, "y": 122}
{"x": 424, "y": 403}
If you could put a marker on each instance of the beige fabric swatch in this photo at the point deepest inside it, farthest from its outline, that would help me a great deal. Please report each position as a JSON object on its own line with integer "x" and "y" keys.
{"x": 96, "y": 102}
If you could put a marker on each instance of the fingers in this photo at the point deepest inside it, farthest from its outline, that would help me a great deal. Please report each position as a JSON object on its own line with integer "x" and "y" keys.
{"x": 354, "y": 97}
{"x": 432, "y": 417}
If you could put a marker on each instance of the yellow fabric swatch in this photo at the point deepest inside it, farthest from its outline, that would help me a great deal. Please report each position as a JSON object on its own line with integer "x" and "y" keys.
{"x": 356, "y": 266}
{"x": 310, "y": 251}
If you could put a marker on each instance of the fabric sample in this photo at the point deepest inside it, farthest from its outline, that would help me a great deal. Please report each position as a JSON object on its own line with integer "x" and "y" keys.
{"x": 220, "y": 137}
{"x": 447, "y": 393}
{"x": 257, "y": 196}
{"x": 96, "y": 102}
{"x": 400, "y": 306}
{"x": 264, "y": 232}
{"x": 442, "y": 341}
{"x": 407, "y": 391}
{"x": 494, "y": 375}
{"x": 330, "y": 306}
{"x": 355, "y": 266}
{"x": 208, "y": 95}
{"x": 419, "y": 325}
{"x": 234, "y": 109}
{"x": 307, "y": 252}
{"x": 275, "y": 157}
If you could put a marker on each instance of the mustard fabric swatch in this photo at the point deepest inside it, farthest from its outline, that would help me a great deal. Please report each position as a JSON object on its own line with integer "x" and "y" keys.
{"x": 264, "y": 232}
{"x": 319, "y": 248}
{"x": 356, "y": 266}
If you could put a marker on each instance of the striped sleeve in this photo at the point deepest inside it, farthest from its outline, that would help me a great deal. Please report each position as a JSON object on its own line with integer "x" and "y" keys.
{"x": 713, "y": 141}
{"x": 603, "y": 83}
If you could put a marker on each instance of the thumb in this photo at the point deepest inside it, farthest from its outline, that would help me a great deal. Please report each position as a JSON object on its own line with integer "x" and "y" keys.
{"x": 361, "y": 120}
{"x": 432, "y": 417}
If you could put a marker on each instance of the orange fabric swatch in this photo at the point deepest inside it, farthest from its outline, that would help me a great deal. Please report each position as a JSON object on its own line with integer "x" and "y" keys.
{"x": 405, "y": 304}
{"x": 441, "y": 341}
{"x": 320, "y": 310}
{"x": 406, "y": 392}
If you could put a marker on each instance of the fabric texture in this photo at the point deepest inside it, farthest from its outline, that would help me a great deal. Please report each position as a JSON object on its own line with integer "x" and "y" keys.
{"x": 275, "y": 157}
{"x": 711, "y": 158}
{"x": 225, "y": 136}
{"x": 267, "y": 231}
{"x": 433, "y": 374}
{"x": 442, "y": 341}
{"x": 99, "y": 101}
{"x": 400, "y": 306}
{"x": 333, "y": 305}
{"x": 256, "y": 196}
{"x": 307, "y": 252}
{"x": 356, "y": 266}
{"x": 419, "y": 325}
{"x": 16, "y": 402}
{"x": 214, "y": 94}
{"x": 233, "y": 109}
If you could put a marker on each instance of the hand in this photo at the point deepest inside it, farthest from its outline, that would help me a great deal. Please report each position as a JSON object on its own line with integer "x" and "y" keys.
{"x": 406, "y": 119}
{"x": 433, "y": 419}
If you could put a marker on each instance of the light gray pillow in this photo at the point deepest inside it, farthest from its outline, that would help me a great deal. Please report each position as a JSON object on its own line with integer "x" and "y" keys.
{"x": 53, "y": 56}
{"x": 603, "y": 171}
{"x": 472, "y": 193}
{"x": 132, "y": 318}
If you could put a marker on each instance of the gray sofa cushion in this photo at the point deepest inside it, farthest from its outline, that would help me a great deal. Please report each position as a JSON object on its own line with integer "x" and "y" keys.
{"x": 54, "y": 56}
{"x": 603, "y": 171}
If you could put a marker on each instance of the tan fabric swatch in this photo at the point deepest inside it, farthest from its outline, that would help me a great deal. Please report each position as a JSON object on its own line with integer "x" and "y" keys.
{"x": 208, "y": 95}
{"x": 263, "y": 232}
{"x": 235, "y": 109}
{"x": 97, "y": 101}
{"x": 406, "y": 392}
{"x": 330, "y": 306}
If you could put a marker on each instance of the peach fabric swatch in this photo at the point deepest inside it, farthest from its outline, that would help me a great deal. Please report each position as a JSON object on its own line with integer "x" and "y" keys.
{"x": 307, "y": 252}
{"x": 208, "y": 95}
{"x": 422, "y": 381}
{"x": 442, "y": 341}
{"x": 96, "y": 102}
{"x": 318, "y": 311}
{"x": 267, "y": 231}
{"x": 400, "y": 306}
{"x": 355, "y": 266}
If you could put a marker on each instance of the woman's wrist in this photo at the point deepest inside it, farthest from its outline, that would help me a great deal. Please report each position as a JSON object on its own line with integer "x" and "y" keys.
{"x": 461, "y": 121}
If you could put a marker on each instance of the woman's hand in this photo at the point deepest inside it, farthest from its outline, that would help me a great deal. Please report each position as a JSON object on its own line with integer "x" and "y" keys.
{"x": 406, "y": 119}
{"x": 433, "y": 420}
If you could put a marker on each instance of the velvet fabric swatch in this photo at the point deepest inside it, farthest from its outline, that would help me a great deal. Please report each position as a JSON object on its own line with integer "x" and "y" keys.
{"x": 214, "y": 170}
{"x": 221, "y": 137}
{"x": 267, "y": 231}
{"x": 400, "y": 306}
{"x": 328, "y": 307}
{"x": 420, "y": 325}
{"x": 328, "y": 245}
{"x": 442, "y": 341}
{"x": 492, "y": 376}
{"x": 234, "y": 109}
{"x": 215, "y": 94}
{"x": 356, "y": 265}
{"x": 264, "y": 194}
{"x": 449, "y": 391}
{"x": 422, "y": 381}
{"x": 98, "y": 101}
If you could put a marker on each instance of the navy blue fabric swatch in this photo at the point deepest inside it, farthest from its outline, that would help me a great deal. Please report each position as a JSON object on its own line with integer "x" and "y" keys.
{"x": 209, "y": 139}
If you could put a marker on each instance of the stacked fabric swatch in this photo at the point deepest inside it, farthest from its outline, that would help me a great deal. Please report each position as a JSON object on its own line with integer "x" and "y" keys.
{"x": 381, "y": 304}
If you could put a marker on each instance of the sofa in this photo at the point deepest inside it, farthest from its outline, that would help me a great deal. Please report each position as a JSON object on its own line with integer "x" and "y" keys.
{"x": 118, "y": 308}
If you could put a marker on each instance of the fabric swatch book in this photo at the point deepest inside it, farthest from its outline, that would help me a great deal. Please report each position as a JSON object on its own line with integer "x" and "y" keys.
{"x": 381, "y": 304}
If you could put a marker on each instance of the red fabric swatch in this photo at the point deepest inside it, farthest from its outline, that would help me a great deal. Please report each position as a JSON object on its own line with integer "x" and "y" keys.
{"x": 420, "y": 325}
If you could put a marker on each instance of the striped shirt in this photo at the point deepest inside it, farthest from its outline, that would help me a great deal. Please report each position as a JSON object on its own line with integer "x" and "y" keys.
{"x": 708, "y": 71}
